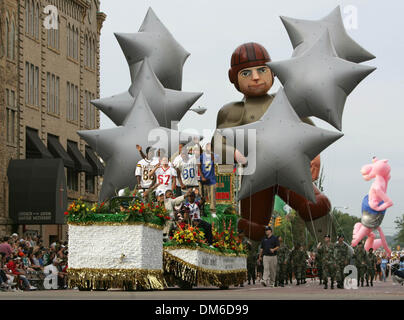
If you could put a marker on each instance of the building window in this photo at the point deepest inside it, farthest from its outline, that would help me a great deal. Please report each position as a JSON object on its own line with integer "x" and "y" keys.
{"x": 53, "y": 38}
{"x": 90, "y": 183}
{"x": 31, "y": 84}
{"x": 89, "y": 111}
{"x": 52, "y": 85}
{"x": 37, "y": 14}
{"x": 72, "y": 42}
{"x": 10, "y": 39}
{"x": 11, "y": 117}
{"x": 72, "y": 179}
{"x": 86, "y": 50}
{"x": 6, "y": 38}
{"x": 26, "y": 16}
{"x": 36, "y": 86}
{"x": 93, "y": 55}
{"x": 26, "y": 82}
{"x": 72, "y": 102}
{"x": 1, "y": 38}
{"x": 76, "y": 44}
{"x": 31, "y": 18}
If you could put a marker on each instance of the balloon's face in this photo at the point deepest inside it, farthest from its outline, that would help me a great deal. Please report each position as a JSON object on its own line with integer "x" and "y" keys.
{"x": 255, "y": 81}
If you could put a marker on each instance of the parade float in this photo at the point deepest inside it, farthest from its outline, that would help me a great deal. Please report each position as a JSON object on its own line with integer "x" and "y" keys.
{"x": 125, "y": 248}
{"x": 116, "y": 250}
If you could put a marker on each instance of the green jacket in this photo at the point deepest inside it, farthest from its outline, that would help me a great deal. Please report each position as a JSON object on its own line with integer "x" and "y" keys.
{"x": 299, "y": 258}
{"x": 283, "y": 254}
{"x": 360, "y": 256}
{"x": 329, "y": 254}
{"x": 371, "y": 260}
{"x": 319, "y": 256}
{"x": 341, "y": 253}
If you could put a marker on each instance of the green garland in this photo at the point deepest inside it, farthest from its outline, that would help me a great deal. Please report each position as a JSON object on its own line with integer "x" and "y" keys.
{"x": 95, "y": 218}
{"x": 82, "y": 213}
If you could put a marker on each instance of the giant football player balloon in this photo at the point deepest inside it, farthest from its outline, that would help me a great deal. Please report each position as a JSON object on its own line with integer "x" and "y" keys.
{"x": 252, "y": 77}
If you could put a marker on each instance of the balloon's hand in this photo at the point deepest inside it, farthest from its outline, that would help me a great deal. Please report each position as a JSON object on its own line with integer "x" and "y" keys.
{"x": 315, "y": 168}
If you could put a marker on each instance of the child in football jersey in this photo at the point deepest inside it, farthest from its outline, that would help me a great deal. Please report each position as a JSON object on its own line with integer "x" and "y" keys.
{"x": 143, "y": 168}
{"x": 193, "y": 206}
{"x": 187, "y": 169}
{"x": 165, "y": 175}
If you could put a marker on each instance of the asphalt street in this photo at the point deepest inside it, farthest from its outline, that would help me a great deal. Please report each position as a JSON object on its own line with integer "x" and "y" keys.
{"x": 309, "y": 291}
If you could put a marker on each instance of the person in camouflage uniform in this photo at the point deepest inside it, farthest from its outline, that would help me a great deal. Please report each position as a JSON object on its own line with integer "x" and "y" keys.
{"x": 341, "y": 259}
{"x": 328, "y": 262}
{"x": 319, "y": 261}
{"x": 283, "y": 256}
{"x": 360, "y": 258}
{"x": 299, "y": 263}
{"x": 302, "y": 258}
{"x": 371, "y": 267}
{"x": 251, "y": 256}
{"x": 292, "y": 257}
{"x": 289, "y": 268}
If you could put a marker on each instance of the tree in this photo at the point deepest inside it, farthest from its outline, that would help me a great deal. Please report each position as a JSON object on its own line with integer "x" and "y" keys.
{"x": 344, "y": 224}
{"x": 293, "y": 231}
{"x": 399, "y": 237}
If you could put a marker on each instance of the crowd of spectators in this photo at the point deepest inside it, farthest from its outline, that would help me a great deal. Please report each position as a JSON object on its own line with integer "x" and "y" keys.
{"x": 27, "y": 265}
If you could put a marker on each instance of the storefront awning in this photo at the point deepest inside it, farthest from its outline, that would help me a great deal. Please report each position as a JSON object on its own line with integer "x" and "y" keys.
{"x": 37, "y": 191}
{"x": 58, "y": 151}
{"x": 35, "y": 146}
{"x": 81, "y": 164}
{"x": 94, "y": 161}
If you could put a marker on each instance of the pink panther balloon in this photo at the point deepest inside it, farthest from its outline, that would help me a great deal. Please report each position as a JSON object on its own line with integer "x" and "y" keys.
{"x": 374, "y": 206}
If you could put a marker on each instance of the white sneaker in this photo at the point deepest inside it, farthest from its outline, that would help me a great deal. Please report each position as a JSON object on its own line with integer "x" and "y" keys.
{"x": 32, "y": 288}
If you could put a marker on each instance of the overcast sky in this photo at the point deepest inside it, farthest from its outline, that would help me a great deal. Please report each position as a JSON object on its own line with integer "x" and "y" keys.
{"x": 211, "y": 30}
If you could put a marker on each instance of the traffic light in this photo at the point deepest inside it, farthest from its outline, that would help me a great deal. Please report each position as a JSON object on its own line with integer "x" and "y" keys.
{"x": 270, "y": 222}
{"x": 278, "y": 221}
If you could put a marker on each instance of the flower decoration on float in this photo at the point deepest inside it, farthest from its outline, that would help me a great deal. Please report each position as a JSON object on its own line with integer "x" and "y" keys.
{"x": 136, "y": 211}
{"x": 226, "y": 240}
{"x": 189, "y": 235}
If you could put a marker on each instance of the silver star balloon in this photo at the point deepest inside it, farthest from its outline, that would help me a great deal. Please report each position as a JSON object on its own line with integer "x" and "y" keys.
{"x": 284, "y": 148}
{"x": 167, "y": 56}
{"x": 117, "y": 146}
{"x": 318, "y": 82}
{"x": 167, "y": 105}
{"x": 304, "y": 34}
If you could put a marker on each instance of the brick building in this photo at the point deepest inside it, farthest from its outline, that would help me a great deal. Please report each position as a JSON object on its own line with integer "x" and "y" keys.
{"x": 47, "y": 78}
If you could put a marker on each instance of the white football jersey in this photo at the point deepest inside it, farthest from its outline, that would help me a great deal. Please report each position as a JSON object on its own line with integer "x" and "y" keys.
{"x": 194, "y": 212}
{"x": 165, "y": 178}
{"x": 143, "y": 168}
{"x": 188, "y": 169}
